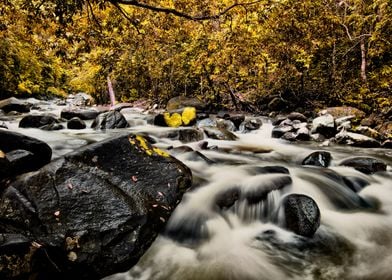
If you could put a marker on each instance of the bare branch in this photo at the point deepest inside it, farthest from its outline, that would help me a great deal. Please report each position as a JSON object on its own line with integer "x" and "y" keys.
{"x": 121, "y": 10}
{"x": 182, "y": 14}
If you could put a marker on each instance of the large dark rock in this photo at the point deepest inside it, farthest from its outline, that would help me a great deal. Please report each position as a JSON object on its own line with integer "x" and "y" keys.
{"x": 110, "y": 120}
{"x": 343, "y": 111}
{"x": 84, "y": 114}
{"x": 301, "y": 214}
{"x": 37, "y": 121}
{"x": 318, "y": 158}
{"x": 90, "y": 213}
{"x": 14, "y": 104}
{"x": 36, "y": 153}
{"x": 219, "y": 133}
{"x": 76, "y": 123}
{"x": 190, "y": 135}
{"x": 367, "y": 165}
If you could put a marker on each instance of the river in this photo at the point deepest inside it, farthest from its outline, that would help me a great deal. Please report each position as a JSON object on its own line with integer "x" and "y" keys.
{"x": 245, "y": 241}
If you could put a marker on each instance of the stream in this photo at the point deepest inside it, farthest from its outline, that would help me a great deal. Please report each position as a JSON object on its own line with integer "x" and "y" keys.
{"x": 244, "y": 240}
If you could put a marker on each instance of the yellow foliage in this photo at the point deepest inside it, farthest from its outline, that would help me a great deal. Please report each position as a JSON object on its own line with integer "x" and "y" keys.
{"x": 188, "y": 115}
{"x": 173, "y": 120}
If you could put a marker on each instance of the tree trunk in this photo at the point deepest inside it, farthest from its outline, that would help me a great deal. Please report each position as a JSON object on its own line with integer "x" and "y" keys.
{"x": 363, "y": 59}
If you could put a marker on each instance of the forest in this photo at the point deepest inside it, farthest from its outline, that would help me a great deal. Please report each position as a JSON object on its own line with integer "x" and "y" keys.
{"x": 233, "y": 54}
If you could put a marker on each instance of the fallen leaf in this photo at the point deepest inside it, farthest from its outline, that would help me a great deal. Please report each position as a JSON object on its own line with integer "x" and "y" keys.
{"x": 134, "y": 178}
{"x": 57, "y": 213}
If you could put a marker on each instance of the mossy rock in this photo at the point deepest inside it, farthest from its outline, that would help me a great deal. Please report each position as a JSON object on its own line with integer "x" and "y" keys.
{"x": 343, "y": 111}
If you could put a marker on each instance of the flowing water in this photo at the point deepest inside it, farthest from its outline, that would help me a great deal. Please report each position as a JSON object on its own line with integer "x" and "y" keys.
{"x": 220, "y": 232}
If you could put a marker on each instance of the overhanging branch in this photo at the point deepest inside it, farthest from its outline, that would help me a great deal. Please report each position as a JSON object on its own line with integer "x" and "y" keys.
{"x": 180, "y": 13}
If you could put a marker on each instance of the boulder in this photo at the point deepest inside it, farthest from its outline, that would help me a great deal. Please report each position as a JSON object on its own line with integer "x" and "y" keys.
{"x": 297, "y": 116}
{"x": 190, "y": 135}
{"x": 81, "y": 99}
{"x": 76, "y": 123}
{"x": 367, "y": 131}
{"x": 355, "y": 183}
{"x": 208, "y": 122}
{"x": 301, "y": 214}
{"x": 110, "y": 120}
{"x": 385, "y": 129}
{"x": 185, "y": 117}
{"x": 14, "y": 104}
{"x": 180, "y": 102}
{"x": 52, "y": 126}
{"x": 37, "y": 121}
{"x": 367, "y": 165}
{"x": 23, "y": 153}
{"x": 250, "y": 124}
{"x": 90, "y": 213}
{"x": 318, "y": 158}
{"x": 324, "y": 125}
{"x": 343, "y": 111}
{"x": 219, "y": 133}
{"x": 279, "y": 131}
{"x": 356, "y": 139}
{"x": 226, "y": 124}
{"x": 84, "y": 114}
{"x": 387, "y": 144}
{"x": 237, "y": 120}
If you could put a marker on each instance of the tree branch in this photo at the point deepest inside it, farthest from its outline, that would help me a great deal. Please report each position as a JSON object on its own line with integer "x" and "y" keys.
{"x": 182, "y": 14}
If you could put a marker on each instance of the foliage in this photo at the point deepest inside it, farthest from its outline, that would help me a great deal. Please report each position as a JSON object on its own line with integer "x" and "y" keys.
{"x": 228, "y": 53}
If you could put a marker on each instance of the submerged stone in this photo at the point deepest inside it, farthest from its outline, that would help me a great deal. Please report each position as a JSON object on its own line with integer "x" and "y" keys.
{"x": 110, "y": 120}
{"x": 318, "y": 158}
{"x": 367, "y": 165}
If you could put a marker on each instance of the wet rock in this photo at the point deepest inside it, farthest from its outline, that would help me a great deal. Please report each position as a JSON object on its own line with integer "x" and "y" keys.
{"x": 197, "y": 156}
{"x": 355, "y": 139}
{"x": 52, "y": 126}
{"x": 14, "y": 104}
{"x": 184, "y": 117}
{"x": 180, "y": 150}
{"x": 335, "y": 189}
{"x": 3, "y": 125}
{"x": 37, "y": 121}
{"x": 387, "y": 144}
{"x": 93, "y": 212}
{"x": 180, "y": 102}
{"x": 226, "y": 199}
{"x": 219, "y": 133}
{"x": 84, "y": 114}
{"x": 237, "y": 120}
{"x": 249, "y": 125}
{"x": 226, "y": 124}
{"x": 371, "y": 121}
{"x": 367, "y": 165}
{"x": 297, "y": 116}
{"x": 301, "y": 214}
{"x": 76, "y": 123}
{"x": 279, "y": 131}
{"x": 206, "y": 123}
{"x": 110, "y": 120}
{"x": 190, "y": 135}
{"x": 324, "y": 125}
{"x": 255, "y": 194}
{"x": 318, "y": 158}
{"x": 23, "y": 153}
{"x": 223, "y": 115}
{"x": 317, "y": 137}
{"x": 289, "y": 136}
{"x": 355, "y": 183}
{"x": 270, "y": 169}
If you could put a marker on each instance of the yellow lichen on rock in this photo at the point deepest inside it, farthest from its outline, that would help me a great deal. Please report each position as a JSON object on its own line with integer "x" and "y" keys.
{"x": 188, "y": 115}
{"x": 173, "y": 120}
{"x": 146, "y": 147}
